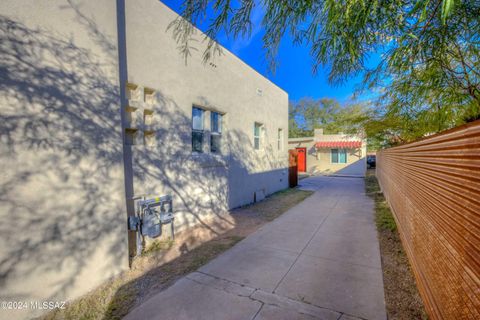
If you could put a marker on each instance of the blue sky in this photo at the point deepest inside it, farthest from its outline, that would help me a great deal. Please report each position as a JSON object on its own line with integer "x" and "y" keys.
{"x": 294, "y": 71}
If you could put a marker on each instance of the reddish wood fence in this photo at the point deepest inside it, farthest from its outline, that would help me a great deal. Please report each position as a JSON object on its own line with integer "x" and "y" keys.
{"x": 433, "y": 188}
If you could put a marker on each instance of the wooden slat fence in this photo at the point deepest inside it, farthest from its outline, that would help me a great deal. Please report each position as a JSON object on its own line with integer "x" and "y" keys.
{"x": 433, "y": 188}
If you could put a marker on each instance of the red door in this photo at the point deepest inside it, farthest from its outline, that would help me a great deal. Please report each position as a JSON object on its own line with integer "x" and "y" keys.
{"x": 302, "y": 159}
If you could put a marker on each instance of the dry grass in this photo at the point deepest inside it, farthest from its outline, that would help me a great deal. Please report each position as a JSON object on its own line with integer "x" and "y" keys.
{"x": 278, "y": 203}
{"x": 402, "y": 299}
{"x": 151, "y": 274}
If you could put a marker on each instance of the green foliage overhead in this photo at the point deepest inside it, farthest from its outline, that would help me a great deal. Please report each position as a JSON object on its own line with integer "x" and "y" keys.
{"x": 429, "y": 70}
{"x": 308, "y": 114}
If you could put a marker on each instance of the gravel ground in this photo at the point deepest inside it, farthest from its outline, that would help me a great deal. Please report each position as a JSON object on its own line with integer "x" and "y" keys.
{"x": 402, "y": 299}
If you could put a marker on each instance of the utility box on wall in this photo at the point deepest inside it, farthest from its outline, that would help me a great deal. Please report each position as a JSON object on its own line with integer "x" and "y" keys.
{"x": 150, "y": 216}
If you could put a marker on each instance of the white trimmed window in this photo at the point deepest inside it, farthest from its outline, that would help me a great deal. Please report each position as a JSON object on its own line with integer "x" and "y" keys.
{"x": 215, "y": 132}
{"x": 339, "y": 155}
{"x": 197, "y": 129}
{"x": 258, "y": 133}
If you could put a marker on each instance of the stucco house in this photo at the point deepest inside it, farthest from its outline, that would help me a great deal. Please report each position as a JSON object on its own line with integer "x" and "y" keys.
{"x": 341, "y": 154}
{"x": 98, "y": 108}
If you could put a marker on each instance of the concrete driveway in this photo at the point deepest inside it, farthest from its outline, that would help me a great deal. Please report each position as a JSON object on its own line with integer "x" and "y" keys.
{"x": 319, "y": 260}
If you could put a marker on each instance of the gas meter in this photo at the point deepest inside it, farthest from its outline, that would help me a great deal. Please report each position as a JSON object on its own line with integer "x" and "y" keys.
{"x": 150, "y": 215}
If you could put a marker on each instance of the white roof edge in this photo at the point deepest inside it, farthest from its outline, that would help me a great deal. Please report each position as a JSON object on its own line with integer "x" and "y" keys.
{"x": 230, "y": 52}
{"x": 300, "y": 139}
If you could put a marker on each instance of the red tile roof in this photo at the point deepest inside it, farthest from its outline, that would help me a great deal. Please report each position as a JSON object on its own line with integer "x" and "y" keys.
{"x": 339, "y": 144}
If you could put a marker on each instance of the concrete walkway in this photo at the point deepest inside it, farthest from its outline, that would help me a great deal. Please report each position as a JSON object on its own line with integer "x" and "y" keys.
{"x": 319, "y": 260}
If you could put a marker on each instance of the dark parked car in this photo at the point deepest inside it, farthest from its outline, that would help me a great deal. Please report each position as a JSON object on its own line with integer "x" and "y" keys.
{"x": 371, "y": 161}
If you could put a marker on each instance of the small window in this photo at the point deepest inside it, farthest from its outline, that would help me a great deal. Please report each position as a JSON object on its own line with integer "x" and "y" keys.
{"x": 197, "y": 129}
{"x": 216, "y": 122}
{"x": 258, "y": 135}
{"x": 339, "y": 155}
{"x": 280, "y": 140}
{"x": 216, "y": 132}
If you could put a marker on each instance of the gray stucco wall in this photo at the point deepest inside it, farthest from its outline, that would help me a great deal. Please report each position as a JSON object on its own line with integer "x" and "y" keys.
{"x": 62, "y": 203}
{"x": 67, "y": 175}
{"x": 203, "y": 184}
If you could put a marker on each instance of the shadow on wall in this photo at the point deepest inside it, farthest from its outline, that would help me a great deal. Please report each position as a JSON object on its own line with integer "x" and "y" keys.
{"x": 62, "y": 188}
{"x": 357, "y": 168}
{"x": 203, "y": 184}
{"x": 61, "y": 153}
{"x": 312, "y": 151}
